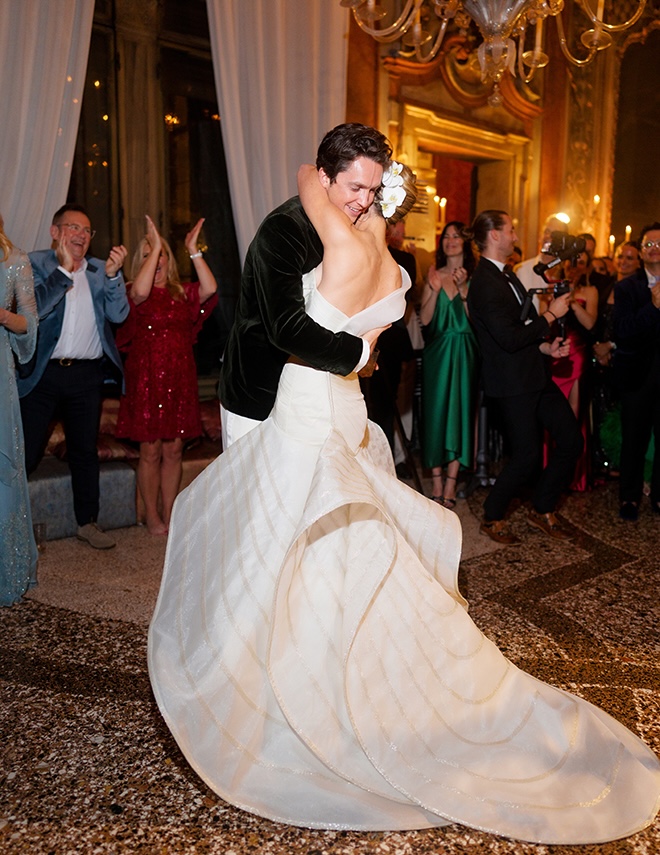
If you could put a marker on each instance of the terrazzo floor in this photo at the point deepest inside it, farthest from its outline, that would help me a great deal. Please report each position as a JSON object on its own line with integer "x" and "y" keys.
{"x": 88, "y": 766}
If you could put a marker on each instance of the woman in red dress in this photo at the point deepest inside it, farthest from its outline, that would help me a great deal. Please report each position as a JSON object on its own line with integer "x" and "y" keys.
{"x": 161, "y": 406}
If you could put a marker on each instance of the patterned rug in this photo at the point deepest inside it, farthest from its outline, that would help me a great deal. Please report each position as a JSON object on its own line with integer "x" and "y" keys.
{"x": 87, "y": 765}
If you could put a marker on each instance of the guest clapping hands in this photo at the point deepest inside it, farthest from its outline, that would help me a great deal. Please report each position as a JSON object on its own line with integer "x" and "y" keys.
{"x": 160, "y": 408}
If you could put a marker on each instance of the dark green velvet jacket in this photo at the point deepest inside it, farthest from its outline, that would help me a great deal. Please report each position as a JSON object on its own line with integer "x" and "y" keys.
{"x": 271, "y": 323}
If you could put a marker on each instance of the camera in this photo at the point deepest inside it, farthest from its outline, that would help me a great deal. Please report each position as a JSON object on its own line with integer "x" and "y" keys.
{"x": 562, "y": 246}
{"x": 561, "y": 287}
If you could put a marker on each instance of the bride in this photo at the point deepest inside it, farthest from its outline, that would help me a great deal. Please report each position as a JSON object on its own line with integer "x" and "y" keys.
{"x": 310, "y": 650}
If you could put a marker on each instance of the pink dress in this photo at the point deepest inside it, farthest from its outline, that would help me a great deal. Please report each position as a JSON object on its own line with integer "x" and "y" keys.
{"x": 566, "y": 372}
{"x": 161, "y": 400}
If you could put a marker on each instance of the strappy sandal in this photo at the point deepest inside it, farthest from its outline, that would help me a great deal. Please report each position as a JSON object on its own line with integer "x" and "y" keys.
{"x": 448, "y": 503}
{"x": 439, "y": 499}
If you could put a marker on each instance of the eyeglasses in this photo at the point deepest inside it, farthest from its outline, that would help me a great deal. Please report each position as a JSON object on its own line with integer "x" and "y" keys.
{"x": 649, "y": 244}
{"x": 76, "y": 229}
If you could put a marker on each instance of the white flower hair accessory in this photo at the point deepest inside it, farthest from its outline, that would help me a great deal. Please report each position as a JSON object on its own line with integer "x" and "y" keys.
{"x": 393, "y": 192}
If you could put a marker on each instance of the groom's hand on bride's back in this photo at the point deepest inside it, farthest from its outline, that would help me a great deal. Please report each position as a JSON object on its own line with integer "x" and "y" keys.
{"x": 372, "y": 335}
{"x": 372, "y": 338}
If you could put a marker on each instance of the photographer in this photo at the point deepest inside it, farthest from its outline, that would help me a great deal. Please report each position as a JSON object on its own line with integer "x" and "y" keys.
{"x": 516, "y": 375}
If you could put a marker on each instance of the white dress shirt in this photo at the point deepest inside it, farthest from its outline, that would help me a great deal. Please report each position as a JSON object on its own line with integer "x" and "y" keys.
{"x": 79, "y": 338}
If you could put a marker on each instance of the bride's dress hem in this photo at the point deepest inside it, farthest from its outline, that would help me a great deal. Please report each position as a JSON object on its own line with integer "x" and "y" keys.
{"x": 315, "y": 661}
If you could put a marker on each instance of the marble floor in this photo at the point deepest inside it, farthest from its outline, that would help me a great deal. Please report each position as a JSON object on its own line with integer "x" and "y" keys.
{"x": 88, "y": 766}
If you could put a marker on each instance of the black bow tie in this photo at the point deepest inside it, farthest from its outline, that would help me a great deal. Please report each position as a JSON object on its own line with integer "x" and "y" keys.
{"x": 518, "y": 287}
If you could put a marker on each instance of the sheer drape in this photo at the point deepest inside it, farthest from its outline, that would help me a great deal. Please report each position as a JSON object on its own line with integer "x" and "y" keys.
{"x": 43, "y": 59}
{"x": 280, "y": 71}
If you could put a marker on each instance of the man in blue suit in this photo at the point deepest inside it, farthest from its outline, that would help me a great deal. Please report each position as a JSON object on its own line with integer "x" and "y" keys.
{"x": 78, "y": 297}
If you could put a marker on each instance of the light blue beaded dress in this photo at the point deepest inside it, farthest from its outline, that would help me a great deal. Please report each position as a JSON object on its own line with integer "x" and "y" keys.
{"x": 18, "y": 554}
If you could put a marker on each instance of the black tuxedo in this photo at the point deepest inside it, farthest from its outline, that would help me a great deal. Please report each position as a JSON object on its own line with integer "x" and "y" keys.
{"x": 636, "y": 372}
{"x": 512, "y": 361}
{"x": 271, "y": 323}
{"x": 515, "y": 373}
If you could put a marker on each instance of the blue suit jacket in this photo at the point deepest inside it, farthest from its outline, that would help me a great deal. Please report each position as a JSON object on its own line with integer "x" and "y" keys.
{"x": 50, "y": 286}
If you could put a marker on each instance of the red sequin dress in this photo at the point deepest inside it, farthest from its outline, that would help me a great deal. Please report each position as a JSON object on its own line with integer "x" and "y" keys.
{"x": 161, "y": 400}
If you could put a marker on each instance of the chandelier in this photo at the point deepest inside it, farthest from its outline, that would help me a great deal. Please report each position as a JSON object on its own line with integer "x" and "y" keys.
{"x": 503, "y": 24}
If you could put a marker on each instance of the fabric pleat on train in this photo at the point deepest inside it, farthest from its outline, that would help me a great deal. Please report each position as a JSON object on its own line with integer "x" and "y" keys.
{"x": 316, "y": 663}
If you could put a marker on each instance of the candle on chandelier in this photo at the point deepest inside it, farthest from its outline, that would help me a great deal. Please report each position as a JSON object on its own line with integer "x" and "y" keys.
{"x": 612, "y": 242}
{"x": 628, "y": 232}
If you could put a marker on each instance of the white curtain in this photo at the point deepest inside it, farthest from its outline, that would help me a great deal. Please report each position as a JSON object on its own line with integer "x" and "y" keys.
{"x": 44, "y": 46}
{"x": 280, "y": 73}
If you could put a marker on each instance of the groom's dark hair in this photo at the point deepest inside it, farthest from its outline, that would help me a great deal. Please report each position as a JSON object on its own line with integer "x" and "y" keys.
{"x": 345, "y": 143}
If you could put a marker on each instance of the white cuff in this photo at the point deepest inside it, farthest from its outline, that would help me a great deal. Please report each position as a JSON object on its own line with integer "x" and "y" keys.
{"x": 366, "y": 353}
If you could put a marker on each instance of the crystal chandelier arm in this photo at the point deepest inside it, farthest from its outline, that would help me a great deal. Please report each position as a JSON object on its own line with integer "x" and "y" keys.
{"x": 521, "y": 67}
{"x": 612, "y": 28}
{"x": 537, "y": 53}
{"x": 397, "y": 29}
{"x": 564, "y": 47}
{"x": 436, "y": 44}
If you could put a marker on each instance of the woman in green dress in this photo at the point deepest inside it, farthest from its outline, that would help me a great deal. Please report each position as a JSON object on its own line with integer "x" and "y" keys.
{"x": 449, "y": 365}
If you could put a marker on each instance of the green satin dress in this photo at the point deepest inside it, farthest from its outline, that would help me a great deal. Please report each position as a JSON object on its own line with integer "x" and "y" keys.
{"x": 449, "y": 377}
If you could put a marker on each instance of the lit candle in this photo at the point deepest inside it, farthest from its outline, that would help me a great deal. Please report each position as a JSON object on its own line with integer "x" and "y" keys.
{"x": 628, "y": 232}
{"x": 601, "y": 10}
{"x": 596, "y": 200}
{"x": 612, "y": 242}
{"x": 443, "y": 206}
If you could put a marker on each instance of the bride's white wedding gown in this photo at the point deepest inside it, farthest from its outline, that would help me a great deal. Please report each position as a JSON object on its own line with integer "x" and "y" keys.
{"x": 315, "y": 661}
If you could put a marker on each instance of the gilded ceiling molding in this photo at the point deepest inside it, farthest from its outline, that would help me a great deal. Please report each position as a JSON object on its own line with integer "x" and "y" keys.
{"x": 460, "y": 72}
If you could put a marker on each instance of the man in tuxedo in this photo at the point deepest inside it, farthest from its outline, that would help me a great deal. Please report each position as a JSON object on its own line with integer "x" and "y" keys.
{"x": 78, "y": 297}
{"x": 516, "y": 376}
{"x": 270, "y": 323}
{"x": 636, "y": 369}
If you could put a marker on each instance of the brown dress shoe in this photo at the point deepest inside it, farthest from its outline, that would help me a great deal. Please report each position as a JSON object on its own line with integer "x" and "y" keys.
{"x": 498, "y": 530}
{"x": 549, "y": 524}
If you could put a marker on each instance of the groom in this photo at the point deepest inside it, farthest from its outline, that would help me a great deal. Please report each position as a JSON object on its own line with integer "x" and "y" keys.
{"x": 270, "y": 323}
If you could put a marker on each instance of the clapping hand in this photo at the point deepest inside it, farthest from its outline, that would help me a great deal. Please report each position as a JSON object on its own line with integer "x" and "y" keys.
{"x": 63, "y": 252}
{"x": 193, "y": 236}
{"x": 153, "y": 235}
{"x": 115, "y": 261}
